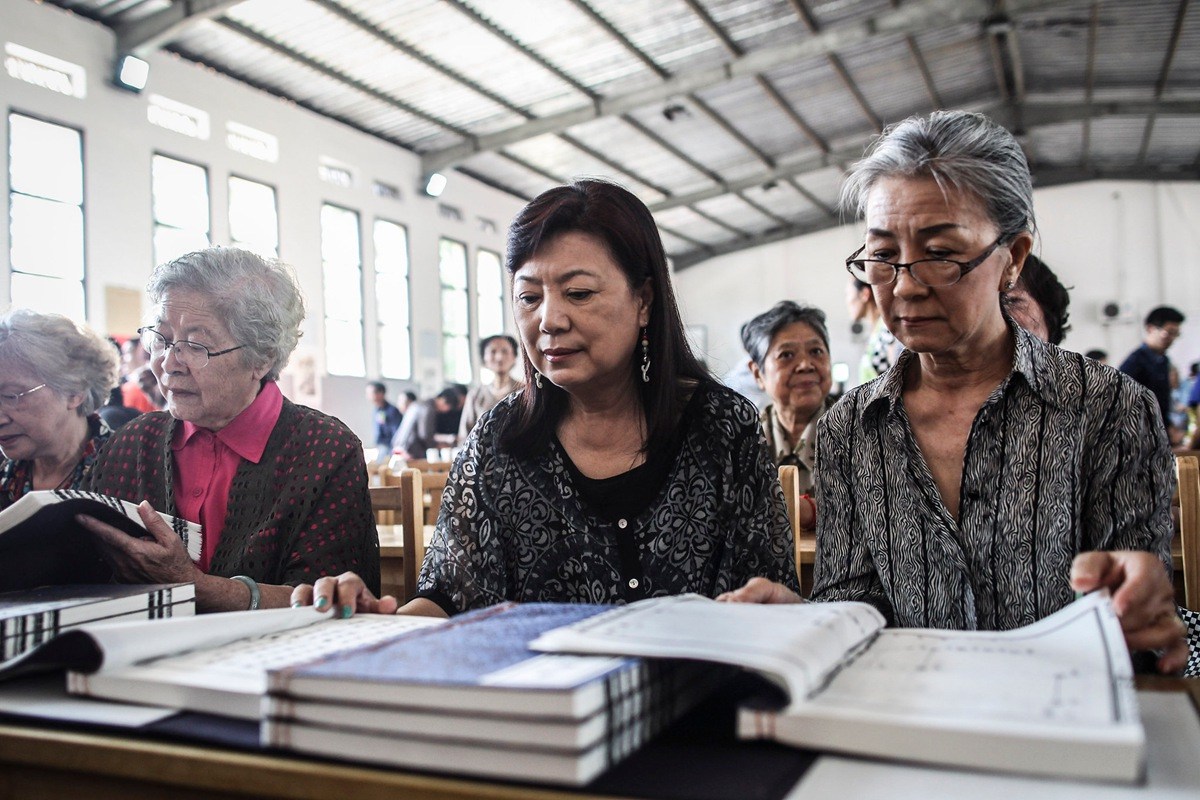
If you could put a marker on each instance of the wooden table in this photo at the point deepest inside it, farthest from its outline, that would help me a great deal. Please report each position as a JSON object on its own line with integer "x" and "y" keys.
{"x": 391, "y": 559}
{"x": 46, "y": 764}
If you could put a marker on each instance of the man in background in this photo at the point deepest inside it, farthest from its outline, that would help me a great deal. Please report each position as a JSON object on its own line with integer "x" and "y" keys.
{"x": 384, "y": 416}
{"x": 1149, "y": 365}
{"x": 418, "y": 430}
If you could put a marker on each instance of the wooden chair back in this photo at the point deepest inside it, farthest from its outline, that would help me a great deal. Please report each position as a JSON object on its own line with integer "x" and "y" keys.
{"x": 1187, "y": 474}
{"x": 402, "y": 505}
{"x": 789, "y": 479}
{"x": 424, "y": 465}
{"x": 433, "y": 484}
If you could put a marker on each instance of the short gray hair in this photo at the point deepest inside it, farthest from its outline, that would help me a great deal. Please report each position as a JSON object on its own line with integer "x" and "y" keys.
{"x": 758, "y": 332}
{"x": 960, "y": 150}
{"x": 258, "y": 299}
{"x": 69, "y": 358}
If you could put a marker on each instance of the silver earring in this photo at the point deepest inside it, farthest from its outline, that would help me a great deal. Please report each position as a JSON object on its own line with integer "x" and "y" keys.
{"x": 1010, "y": 286}
{"x": 645, "y": 356}
{"x": 537, "y": 378}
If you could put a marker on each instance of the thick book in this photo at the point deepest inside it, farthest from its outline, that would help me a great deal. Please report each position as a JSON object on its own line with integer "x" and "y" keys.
{"x": 214, "y": 663}
{"x": 41, "y": 543}
{"x": 470, "y": 697}
{"x": 1054, "y": 698}
{"x": 32, "y": 617}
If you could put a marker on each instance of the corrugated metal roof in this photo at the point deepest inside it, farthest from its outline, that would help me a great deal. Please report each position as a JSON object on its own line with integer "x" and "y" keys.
{"x": 731, "y": 156}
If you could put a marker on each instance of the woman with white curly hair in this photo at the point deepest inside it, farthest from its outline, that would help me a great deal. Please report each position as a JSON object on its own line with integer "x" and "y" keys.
{"x": 54, "y": 374}
{"x": 279, "y": 489}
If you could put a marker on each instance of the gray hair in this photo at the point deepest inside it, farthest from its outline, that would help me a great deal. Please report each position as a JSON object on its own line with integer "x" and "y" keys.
{"x": 69, "y": 358}
{"x": 960, "y": 150}
{"x": 758, "y": 332}
{"x": 258, "y": 299}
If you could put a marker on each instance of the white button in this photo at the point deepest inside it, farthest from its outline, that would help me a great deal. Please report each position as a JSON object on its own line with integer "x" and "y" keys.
{"x": 622, "y": 524}
{"x": 633, "y": 583}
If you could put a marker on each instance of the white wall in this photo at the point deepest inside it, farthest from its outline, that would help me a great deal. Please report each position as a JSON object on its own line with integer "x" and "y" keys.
{"x": 1134, "y": 242}
{"x": 119, "y": 143}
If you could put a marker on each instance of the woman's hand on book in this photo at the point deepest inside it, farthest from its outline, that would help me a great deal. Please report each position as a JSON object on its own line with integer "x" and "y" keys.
{"x": 1143, "y": 598}
{"x": 345, "y": 595}
{"x": 761, "y": 590}
{"x": 159, "y": 557}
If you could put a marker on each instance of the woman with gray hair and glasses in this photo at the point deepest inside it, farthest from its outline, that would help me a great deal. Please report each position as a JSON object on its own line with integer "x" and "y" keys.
{"x": 280, "y": 489}
{"x": 988, "y": 475}
{"x": 788, "y": 347}
{"x": 54, "y": 374}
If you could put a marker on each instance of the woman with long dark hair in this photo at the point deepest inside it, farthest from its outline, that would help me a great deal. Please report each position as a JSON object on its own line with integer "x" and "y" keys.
{"x": 621, "y": 470}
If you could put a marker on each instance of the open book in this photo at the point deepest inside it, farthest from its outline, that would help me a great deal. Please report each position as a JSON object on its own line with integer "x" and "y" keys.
{"x": 1053, "y": 698}
{"x": 41, "y": 544}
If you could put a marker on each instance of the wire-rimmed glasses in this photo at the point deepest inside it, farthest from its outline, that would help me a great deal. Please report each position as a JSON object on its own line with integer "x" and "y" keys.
{"x": 11, "y": 402}
{"x": 925, "y": 271}
{"x": 192, "y": 354}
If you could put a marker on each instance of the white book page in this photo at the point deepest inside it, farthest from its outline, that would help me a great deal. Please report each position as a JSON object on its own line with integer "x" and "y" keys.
{"x": 1069, "y": 669}
{"x": 795, "y": 645}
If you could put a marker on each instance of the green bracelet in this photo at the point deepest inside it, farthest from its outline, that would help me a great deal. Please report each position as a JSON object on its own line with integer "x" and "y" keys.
{"x": 252, "y": 585}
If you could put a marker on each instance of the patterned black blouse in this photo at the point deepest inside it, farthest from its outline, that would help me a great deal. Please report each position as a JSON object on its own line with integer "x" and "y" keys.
{"x": 1066, "y": 456}
{"x": 512, "y": 529}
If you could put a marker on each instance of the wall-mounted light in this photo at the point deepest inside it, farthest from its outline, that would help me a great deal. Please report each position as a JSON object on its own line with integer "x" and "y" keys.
{"x": 435, "y": 185}
{"x": 131, "y": 73}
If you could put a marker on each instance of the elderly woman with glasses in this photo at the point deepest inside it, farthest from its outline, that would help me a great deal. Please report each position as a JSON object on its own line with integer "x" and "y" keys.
{"x": 279, "y": 489}
{"x": 54, "y": 375}
{"x": 988, "y": 475}
{"x": 788, "y": 347}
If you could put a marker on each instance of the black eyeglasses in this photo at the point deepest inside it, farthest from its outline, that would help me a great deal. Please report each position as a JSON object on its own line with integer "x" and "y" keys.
{"x": 192, "y": 354}
{"x": 925, "y": 271}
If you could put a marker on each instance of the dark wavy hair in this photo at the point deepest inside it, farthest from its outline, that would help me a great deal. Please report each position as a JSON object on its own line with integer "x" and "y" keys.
{"x": 621, "y": 222}
{"x": 1049, "y": 293}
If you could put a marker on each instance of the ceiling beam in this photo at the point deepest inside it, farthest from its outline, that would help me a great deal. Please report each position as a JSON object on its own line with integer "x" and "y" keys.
{"x": 917, "y": 17}
{"x": 1043, "y": 178}
{"x": 144, "y": 35}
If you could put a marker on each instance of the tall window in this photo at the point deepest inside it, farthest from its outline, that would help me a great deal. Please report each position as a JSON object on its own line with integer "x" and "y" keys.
{"x": 341, "y": 259}
{"x": 45, "y": 171}
{"x": 253, "y": 217}
{"x": 456, "y": 328}
{"x": 181, "y": 218}
{"x": 391, "y": 299}
{"x": 489, "y": 293}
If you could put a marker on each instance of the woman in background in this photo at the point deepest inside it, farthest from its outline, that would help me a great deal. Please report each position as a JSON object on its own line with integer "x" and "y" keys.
{"x": 788, "y": 347}
{"x": 621, "y": 470}
{"x": 54, "y": 375}
{"x": 499, "y": 355}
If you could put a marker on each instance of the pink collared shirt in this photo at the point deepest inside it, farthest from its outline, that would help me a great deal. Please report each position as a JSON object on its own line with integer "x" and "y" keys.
{"x": 206, "y": 463}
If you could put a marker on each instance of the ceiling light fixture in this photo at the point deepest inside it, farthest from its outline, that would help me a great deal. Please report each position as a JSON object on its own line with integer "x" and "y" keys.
{"x": 132, "y": 73}
{"x": 435, "y": 185}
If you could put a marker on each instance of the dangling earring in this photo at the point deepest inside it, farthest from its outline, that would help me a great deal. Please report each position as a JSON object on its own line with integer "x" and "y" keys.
{"x": 537, "y": 378}
{"x": 645, "y": 356}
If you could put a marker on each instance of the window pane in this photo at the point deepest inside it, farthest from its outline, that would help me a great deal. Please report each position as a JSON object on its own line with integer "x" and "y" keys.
{"x": 491, "y": 317}
{"x": 45, "y": 160}
{"x": 48, "y": 295}
{"x": 391, "y": 299}
{"x": 454, "y": 312}
{"x": 488, "y": 274}
{"x": 344, "y": 348}
{"x": 343, "y": 298}
{"x": 457, "y": 359}
{"x": 180, "y": 194}
{"x": 339, "y": 236}
{"x": 395, "y": 360}
{"x": 171, "y": 243}
{"x": 47, "y": 237}
{"x": 391, "y": 248}
{"x": 452, "y": 264}
{"x": 253, "y": 218}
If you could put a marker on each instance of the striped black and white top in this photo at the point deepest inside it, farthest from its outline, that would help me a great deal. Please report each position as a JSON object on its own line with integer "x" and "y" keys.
{"x": 1066, "y": 456}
